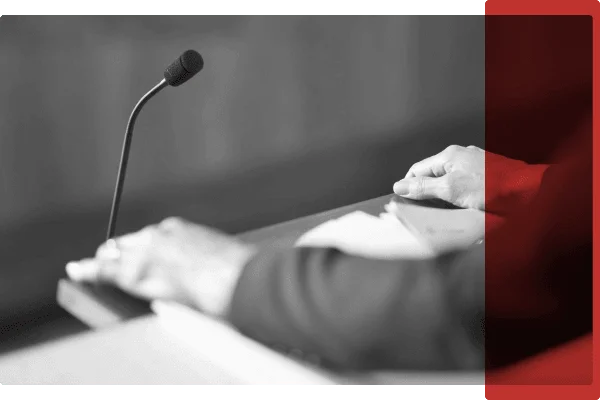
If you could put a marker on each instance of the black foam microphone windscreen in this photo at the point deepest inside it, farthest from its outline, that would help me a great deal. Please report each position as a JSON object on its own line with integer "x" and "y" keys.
{"x": 182, "y": 69}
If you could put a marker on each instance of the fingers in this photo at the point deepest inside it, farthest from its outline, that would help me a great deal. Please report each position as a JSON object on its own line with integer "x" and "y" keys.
{"x": 108, "y": 264}
{"x": 421, "y": 188}
{"x": 432, "y": 166}
{"x": 171, "y": 224}
{"x": 109, "y": 250}
{"x": 136, "y": 239}
{"x": 120, "y": 257}
{"x": 93, "y": 270}
{"x": 424, "y": 167}
{"x": 119, "y": 261}
{"x": 436, "y": 166}
{"x": 113, "y": 263}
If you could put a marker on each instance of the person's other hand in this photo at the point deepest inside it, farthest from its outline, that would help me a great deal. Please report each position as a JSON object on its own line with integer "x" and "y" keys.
{"x": 456, "y": 175}
{"x": 470, "y": 177}
{"x": 174, "y": 260}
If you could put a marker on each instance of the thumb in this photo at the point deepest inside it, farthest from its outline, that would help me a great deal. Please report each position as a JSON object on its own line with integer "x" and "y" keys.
{"x": 419, "y": 188}
{"x": 92, "y": 270}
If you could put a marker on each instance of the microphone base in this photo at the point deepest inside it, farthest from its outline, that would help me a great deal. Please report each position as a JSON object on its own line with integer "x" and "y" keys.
{"x": 99, "y": 306}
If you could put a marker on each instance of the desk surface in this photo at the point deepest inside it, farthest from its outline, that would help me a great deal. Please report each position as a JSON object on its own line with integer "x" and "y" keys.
{"x": 136, "y": 352}
{"x": 144, "y": 352}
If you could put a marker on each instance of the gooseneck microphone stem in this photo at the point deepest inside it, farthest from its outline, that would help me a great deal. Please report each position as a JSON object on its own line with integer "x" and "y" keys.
{"x": 125, "y": 156}
{"x": 99, "y": 304}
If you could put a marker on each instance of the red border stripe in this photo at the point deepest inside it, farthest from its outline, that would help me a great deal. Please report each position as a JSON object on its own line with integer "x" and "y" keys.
{"x": 569, "y": 354}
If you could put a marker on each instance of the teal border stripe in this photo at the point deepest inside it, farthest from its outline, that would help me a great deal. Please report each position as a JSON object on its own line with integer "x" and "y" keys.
{"x": 8, "y": 7}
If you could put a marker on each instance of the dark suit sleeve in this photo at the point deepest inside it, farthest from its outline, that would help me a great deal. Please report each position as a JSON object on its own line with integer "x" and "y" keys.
{"x": 358, "y": 313}
{"x": 534, "y": 272}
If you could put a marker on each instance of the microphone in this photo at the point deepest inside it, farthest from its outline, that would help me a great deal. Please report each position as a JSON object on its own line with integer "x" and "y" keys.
{"x": 100, "y": 305}
{"x": 180, "y": 71}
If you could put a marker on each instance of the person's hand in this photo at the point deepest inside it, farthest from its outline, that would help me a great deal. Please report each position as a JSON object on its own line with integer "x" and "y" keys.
{"x": 456, "y": 175}
{"x": 470, "y": 177}
{"x": 174, "y": 260}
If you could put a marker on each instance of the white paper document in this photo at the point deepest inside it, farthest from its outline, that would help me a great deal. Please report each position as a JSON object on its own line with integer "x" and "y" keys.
{"x": 364, "y": 235}
{"x": 400, "y": 231}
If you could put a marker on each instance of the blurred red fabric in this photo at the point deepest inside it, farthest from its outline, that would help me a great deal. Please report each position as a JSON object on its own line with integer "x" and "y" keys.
{"x": 538, "y": 109}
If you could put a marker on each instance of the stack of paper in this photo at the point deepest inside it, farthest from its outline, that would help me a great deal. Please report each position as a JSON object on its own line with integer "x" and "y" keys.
{"x": 364, "y": 235}
{"x": 401, "y": 231}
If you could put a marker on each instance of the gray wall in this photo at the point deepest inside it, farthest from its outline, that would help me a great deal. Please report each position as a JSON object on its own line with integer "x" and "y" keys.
{"x": 291, "y": 115}
{"x": 273, "y": 88}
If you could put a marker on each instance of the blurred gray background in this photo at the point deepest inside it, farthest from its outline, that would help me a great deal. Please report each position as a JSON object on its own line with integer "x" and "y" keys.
{"x": 290, "y": 116}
